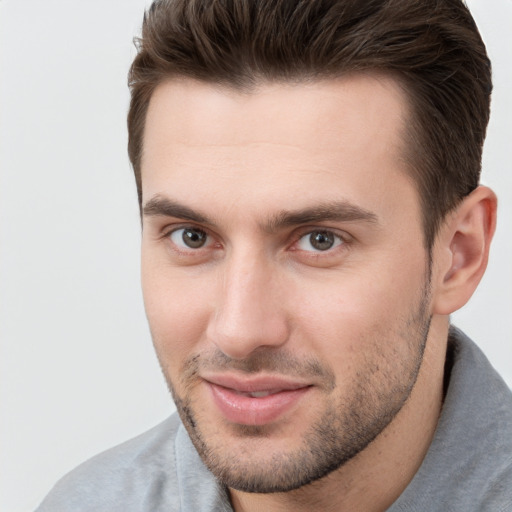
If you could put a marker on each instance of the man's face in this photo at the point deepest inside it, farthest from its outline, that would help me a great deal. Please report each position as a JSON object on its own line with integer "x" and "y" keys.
{"x": 284, "y": 274}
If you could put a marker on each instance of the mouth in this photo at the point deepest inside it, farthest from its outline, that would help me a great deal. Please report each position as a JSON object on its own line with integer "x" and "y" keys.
{"x": 257, "y": 400}
{"x": 259, "y": 394}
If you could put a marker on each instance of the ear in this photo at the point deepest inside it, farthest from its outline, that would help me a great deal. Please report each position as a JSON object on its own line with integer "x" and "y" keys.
{"x": 462, "y": 250}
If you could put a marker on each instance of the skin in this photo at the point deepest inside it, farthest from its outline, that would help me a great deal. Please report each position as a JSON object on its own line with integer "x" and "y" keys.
{"x": 369, "y": 315}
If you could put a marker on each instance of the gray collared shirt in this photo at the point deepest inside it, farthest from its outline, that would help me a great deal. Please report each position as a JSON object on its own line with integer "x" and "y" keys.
{"x": 468, "y": 467}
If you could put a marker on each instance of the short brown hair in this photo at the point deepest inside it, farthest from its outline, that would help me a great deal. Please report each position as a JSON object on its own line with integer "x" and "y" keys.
{"x": 432, "y": 47}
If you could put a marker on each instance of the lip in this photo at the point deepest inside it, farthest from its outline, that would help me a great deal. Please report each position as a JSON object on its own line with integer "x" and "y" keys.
{"x": 230, "y": 395}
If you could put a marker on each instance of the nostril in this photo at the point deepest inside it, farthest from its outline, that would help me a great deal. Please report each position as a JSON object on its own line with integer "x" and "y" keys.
{"x": 238, "y": 336}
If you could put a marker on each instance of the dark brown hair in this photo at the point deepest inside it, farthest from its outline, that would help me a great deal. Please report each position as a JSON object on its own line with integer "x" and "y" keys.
{"x": 432, "y": 47}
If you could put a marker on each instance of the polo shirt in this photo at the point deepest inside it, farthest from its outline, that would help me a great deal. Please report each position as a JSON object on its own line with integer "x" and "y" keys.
{"x": 468, "y": 466}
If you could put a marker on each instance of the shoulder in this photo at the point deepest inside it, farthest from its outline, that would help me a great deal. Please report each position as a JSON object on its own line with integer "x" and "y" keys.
{"x": 474, "y": 443}
{"x": 137, "y": 475}
{"x": 498, "y": 493}
{"x": 469, "y": 464}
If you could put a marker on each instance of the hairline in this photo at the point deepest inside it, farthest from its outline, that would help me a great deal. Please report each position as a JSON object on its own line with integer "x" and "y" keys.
{"x": 410, "y": 133}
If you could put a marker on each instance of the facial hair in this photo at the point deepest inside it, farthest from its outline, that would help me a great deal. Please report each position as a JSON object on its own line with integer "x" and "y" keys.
{"x": 346, "y": 427}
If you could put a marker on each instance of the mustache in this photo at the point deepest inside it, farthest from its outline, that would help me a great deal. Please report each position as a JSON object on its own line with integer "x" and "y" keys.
{"x": 282, "y": 362}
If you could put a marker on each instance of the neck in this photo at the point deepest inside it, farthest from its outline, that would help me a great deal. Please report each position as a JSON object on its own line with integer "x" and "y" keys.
{"x": 377, "y": 476}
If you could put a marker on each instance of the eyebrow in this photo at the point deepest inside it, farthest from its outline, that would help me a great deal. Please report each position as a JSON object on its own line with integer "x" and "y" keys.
{"x": 162, "y": 206}
{"x": 338, "y": 211}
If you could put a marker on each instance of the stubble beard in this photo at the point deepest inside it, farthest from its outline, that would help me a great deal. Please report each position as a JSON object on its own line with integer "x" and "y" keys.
{"x": 346, "y": 427}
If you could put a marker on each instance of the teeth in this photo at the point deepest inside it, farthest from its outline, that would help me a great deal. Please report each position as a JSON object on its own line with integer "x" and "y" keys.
{"x": 259, "y": 394}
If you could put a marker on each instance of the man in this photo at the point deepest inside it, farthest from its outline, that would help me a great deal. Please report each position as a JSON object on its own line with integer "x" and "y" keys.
{"x": 308, "y": 182}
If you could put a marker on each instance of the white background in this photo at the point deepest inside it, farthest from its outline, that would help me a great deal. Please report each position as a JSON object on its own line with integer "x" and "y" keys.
{"x": 77, "y": 368}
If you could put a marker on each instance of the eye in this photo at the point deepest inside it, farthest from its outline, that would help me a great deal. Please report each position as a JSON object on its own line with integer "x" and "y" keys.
{"x": 319, "y": 240}
{"x": 189, "y": 238}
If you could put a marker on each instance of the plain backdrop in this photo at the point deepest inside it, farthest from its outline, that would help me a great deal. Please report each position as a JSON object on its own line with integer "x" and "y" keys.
{"x": 77, "y": 369}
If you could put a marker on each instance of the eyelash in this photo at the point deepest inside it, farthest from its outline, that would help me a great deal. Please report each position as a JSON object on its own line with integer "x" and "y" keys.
{"x": 183, "y": 250}
{"x": 341, "y": 241}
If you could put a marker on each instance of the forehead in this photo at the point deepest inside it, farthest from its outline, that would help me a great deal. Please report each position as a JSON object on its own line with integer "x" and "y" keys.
{"x": 336, "y": 138}
{"x": 190, "y": 110}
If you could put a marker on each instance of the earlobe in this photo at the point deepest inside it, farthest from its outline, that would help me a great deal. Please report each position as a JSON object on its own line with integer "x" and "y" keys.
{"x": 465, "y": 240}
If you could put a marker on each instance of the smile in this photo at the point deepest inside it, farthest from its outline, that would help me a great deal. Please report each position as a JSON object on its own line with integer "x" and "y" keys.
{"x": 257, "y": 401}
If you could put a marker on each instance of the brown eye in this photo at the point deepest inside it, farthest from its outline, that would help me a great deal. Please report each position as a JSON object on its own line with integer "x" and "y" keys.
{"x": 189, "y": 238}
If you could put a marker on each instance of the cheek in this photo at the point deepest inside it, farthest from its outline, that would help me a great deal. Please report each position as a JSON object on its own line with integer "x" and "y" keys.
{"x": 360, "y": 315}
{"x": 177, "y": 312}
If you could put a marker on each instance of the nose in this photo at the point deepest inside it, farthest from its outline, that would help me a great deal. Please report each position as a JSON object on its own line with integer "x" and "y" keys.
{"x": 249, "y": 312}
